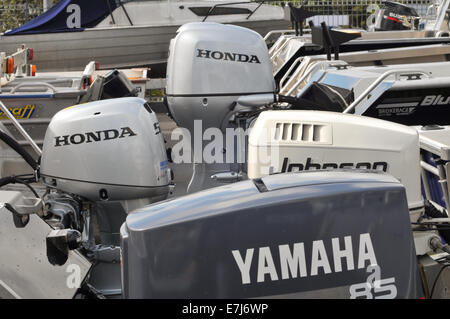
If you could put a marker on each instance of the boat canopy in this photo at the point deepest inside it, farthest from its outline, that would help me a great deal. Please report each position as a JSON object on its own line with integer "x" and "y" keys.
{"x": 68, "y": 15}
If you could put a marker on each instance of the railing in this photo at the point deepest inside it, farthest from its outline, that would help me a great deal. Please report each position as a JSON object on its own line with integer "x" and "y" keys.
{"x": 440, "y": 173}
{"x": 381, "y": 78}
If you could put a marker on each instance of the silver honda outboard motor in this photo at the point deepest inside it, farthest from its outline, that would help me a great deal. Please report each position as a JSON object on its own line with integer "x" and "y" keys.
{"x": 211, "y": 74}
{"x": 396, "y": 16}
{"x": 296, "y": 235}
{"x": 211, "y": 68}
{"x": 100, "y": 160}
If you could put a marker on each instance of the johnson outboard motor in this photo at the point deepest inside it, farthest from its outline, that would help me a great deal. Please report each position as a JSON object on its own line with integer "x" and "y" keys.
{"x": 396, "y": 16}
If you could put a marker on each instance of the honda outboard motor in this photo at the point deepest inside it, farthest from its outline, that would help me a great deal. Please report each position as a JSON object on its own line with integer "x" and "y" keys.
{"x": 105, "y": 151}
{"x": 215, "y": 72}
{"x": 296, "y": 235}
{"x": 101, "y": 160}
{"x": 396, "y": 16}
{"x": 211, "y": 67}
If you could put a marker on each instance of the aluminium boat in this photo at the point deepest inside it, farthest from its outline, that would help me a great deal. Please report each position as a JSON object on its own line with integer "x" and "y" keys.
{"x": 127, "y": 34}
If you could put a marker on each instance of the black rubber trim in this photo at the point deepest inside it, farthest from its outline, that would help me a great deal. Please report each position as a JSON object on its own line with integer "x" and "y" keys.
{"x": 260, "y": 185}
{"x": 206, "y": 11}
{"x": 148, "y": 107}
{"x": 218, "y": 94}
{"x": 99, "y": 183}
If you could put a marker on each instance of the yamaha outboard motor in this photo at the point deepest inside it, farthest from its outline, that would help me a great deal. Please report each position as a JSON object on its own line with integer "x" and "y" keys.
{"x": 297, "y": 235}
{"x": 396, "y": 16}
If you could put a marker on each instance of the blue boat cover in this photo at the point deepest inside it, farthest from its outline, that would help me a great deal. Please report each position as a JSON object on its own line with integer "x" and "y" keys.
{"x": 68, "y": 15}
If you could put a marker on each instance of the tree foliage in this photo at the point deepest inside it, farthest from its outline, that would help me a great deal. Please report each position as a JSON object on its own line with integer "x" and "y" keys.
{"x": 14, "y": 13}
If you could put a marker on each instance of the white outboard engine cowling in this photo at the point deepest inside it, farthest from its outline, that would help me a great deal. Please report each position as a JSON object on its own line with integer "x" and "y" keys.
{"x": 211, "y": 67}
{"x": 315, "y": 140}
{"x": 106, "y": 150}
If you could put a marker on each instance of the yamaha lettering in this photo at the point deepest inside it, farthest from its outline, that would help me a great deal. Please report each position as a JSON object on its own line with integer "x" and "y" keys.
{"x": 260, "y": 264}
{"x": 309, "y": 165}
{"x": 90, "y": 137}
{"x": 227, "y": 56}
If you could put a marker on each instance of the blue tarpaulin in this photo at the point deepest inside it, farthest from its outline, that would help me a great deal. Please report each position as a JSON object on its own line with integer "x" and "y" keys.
{"x": 68, "y": 15}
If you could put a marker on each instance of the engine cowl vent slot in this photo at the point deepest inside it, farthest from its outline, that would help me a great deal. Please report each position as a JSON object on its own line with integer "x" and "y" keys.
{"x": 303, "y": 132}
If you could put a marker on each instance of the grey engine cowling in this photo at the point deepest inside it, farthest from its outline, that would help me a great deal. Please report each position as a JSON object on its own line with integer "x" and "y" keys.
{"x": 311, "y": 234}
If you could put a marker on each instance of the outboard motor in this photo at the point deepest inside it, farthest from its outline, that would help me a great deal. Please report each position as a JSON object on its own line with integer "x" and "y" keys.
{"x": 296, "y": 235}
{"x": 106, "y": 151}
{"x": 212, "y": 68}
{"x": 101, "y": 160}
{"x": 312, "y": 140}
{"x": 113, "y": 84}
{"x": 396, "y": 16}
{"x": 215, "y": 73}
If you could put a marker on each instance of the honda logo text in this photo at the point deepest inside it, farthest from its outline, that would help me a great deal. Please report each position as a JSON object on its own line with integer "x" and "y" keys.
{"x": 227, "y": 56}
{"x": 90, "y": 137}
